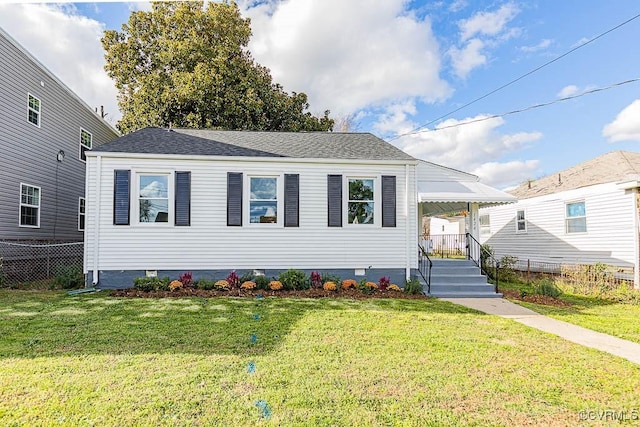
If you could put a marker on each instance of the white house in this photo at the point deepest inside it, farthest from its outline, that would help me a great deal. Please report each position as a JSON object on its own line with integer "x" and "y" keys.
{"x": 206, "y": 201}
{"x": 582, "y": 215}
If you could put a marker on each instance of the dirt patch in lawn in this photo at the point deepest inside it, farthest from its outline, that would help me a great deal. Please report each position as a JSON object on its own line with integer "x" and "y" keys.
{"x": 308, "y": 293}
{"x": 535, "y": 299}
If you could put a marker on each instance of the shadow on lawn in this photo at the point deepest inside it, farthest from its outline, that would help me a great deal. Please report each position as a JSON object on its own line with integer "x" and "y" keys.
{"x": 37, "y": 324}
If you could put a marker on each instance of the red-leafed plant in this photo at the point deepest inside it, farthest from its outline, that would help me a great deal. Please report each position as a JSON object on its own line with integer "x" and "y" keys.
{"x": 384, "y": 283}
{"x": 233, "y": 280}
{"x": 316, "y": 279}
{"x": 186, "y": 279}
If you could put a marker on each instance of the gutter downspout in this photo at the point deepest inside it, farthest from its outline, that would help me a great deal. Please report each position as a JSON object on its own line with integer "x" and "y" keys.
{"x": 96, "y": 219}
{"x": 407, "y": 224}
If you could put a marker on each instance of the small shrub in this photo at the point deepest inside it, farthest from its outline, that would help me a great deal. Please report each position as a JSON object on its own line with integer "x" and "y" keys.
{"x": 248, "y": 285}
{"x": 247, "y": 277}
{"x": 205, "y": 284}
{"x": 546, "y": 287}
{"x": 150, "y": 284}
{"x": 275, "y": 285}
{"x": 315, "y": 279}
{"x": 393, "y": 287}
{"x": 233, "y": 280}
{"x": 413, "y": 287}
{"x": 367, "y": 287}
{"x": 326, "y": 277}
{"x": 186, "y": 279}
{"x": 293, "y": 280}
{"x": 384, "y": 283}
{"x": 329, "y": 286}
{"x": 349, "y": 284}
{"x": 262, "y": 282}
{"x": 175, "y": 284}
{"x": 222, "y": 285}
{"x": 69, "y": 277}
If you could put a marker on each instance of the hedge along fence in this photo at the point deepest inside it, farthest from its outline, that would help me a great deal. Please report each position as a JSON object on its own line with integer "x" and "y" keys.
{"x": 25, "y": 262}
{"x": 582, "y": 278}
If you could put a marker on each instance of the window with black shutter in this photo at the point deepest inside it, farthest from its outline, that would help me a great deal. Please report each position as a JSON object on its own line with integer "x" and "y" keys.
{"x": 183, "y": 198}
{"x": 334, "y": 200}
{"x": 388, "y": 201}
{"x": 234, "y": 199}
{"x": 291, "y": 200}
{"x": 121, "y": 197}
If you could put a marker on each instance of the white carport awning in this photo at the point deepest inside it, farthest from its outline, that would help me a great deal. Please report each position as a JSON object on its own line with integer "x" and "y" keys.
{"x": 462, "y": 192}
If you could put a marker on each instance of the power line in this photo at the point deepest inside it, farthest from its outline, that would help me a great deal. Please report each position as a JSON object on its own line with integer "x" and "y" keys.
{"x": 522, "y": 110}
{"x": 517, "y": 79}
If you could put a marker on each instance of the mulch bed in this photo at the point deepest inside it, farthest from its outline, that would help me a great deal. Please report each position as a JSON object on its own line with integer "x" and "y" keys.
{"x": 309, "y": 293}
{"x": 536, "y": 299}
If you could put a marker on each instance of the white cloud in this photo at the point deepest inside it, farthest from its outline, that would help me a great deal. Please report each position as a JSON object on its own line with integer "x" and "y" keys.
{"x": 457, "y": 5}
{"x": 347, "y": 55}
{"x": 545, "y": 43}
{"x": 466, "y": 59}
{"x": 626, "y": 126}
{"x": 508, "y": 173}
{"x": 472, "y": 146}
{"x": 487, "y": 23}
{"x": 568, "y": 91}
{"x": 68, "y": 45}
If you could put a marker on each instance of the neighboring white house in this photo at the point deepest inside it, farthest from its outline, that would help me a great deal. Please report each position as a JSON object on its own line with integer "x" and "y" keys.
{"x": 582, "y": 215}
{"x": 206, "y": 201}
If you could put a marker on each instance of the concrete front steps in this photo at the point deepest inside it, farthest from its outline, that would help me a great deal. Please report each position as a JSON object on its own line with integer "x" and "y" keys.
{"x": 459, "y": 278}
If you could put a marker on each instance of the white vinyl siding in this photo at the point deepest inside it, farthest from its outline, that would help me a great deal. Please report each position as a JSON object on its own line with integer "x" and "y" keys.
{"x": 210, "y": 244}
{"x": 610, "y": 238}
{"x": 29, "y": 206}
{"x": 33, "y": 110}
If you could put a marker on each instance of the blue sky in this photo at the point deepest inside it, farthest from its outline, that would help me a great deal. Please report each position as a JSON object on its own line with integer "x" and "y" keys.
{"x": 394, "y": 65}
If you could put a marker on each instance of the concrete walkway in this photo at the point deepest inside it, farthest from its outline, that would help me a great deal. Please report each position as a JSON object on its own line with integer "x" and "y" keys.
{"x": 577, "y": 334}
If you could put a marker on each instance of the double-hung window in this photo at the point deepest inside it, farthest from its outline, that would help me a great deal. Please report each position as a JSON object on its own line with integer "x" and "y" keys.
{"x": 576, "y": 217}
{"x": 485, "y": 225}
{"x": 263, "y": 200}
{"x": 153, "y": 198}
{"x": 361, "y": 202}
{"x": 33, "y": 110}
{"x": 86, "y": 143}
{"x": 521, "y": 222}
{"x": 29, "y": 206}
{"x": 81, "y": 213}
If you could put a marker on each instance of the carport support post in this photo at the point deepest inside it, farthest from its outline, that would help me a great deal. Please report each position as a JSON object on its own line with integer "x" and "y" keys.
{"x": 474, "y": 230}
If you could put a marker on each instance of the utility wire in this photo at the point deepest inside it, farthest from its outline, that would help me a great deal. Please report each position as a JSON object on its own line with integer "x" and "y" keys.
{"x": 517, "y": 79}
{"x": 522, "y": 110}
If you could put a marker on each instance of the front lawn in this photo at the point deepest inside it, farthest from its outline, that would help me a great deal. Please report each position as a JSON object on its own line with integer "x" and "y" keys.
{"x": 99, "y": 360}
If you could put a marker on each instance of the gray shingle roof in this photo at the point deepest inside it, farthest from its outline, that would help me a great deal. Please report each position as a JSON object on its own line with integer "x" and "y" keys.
{"x": 617, "y": 166}
{"x": 312, "y": 145}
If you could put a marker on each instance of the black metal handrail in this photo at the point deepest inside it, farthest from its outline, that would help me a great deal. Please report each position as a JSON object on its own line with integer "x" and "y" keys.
{"x": 424, "y": 266}
{"x": 486, "y": 259}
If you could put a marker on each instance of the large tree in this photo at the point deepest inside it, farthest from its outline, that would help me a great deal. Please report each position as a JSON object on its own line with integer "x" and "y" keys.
{"x": 188, "y": 66}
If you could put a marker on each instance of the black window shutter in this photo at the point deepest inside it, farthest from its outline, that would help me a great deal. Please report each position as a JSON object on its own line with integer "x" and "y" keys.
{"x": 183, "y": 198}
{"x": 388, "y": 201}
{"x": 334, "y": 200}
{"x": 234, "y": 199}
{"x": 291, "y": 200}
{"x": 121, "y": 196}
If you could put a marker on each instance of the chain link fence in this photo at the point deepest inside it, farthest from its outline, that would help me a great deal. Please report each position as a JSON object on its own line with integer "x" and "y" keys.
{"x": 28, "y": 262}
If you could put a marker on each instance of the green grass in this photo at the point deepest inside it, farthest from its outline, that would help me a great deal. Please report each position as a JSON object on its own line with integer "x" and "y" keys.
{"x": 97, "y": 360}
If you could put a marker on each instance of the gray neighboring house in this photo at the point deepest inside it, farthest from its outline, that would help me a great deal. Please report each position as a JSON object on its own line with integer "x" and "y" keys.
{"x": 45, "y": 130}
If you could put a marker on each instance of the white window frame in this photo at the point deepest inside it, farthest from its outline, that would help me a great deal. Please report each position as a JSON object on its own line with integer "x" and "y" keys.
{"x": 568, "y": 218}
{"x": 135, "y": 208}
{"x": 377, "y": 202}
{"x": 485, "y": 229}
{"x": 82, "y": 212}
{"x": 81, "y": 144}
{"x": 38, "y": 111}
{"x": 279, "y": 201}
{"x": 523, "y": 220}
{"x": 21, "y": 204}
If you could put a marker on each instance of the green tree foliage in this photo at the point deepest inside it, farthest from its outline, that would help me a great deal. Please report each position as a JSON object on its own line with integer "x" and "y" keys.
{"x": 189, "y": 66}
